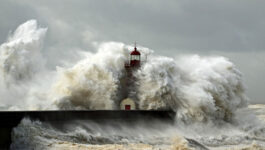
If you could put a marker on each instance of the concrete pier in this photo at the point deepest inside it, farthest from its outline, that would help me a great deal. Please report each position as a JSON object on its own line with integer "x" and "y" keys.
{"x": 10, "y": 119}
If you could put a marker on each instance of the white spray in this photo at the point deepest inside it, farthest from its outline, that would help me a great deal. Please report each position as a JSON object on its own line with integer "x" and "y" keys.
{"x": 198, "y": 88}
{"x": 22, "y": 68}
{"x": 20, "y": 56}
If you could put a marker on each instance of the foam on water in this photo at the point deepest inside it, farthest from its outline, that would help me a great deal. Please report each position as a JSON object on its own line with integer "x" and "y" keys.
{"x": 141, "y": 135}
{"x": 39, "y": 135}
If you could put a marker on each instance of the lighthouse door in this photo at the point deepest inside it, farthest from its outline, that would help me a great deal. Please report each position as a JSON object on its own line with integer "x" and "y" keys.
{"x": 127, "y": 107}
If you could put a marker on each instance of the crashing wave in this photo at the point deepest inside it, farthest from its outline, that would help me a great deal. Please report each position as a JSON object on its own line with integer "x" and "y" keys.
{"x": 20, "y": 56}
{"x": 197, "y": 88}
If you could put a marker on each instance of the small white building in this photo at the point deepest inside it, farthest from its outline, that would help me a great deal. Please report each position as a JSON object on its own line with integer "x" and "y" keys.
{"x": 127, "y": 104}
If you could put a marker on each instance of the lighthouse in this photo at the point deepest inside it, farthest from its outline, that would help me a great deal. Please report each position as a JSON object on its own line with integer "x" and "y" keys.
{"x": 135, "y": 60}
{"x": 130, "y": 102}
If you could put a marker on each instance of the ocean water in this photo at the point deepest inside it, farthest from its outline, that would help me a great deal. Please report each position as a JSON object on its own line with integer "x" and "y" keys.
{"x": 143, "y": 136}
{"x": 156, "y": 135}
{"x": 206, "y": 92}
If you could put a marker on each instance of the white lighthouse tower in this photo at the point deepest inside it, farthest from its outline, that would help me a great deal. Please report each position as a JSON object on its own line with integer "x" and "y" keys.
{"x": 129, "y": 103}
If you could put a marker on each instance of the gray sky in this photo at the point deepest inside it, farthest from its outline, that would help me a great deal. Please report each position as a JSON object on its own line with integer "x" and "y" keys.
{"x": 232, "y": 28}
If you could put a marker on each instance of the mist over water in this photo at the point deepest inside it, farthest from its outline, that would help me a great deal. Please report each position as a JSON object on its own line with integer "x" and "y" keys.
{"x": 207, "y": 93}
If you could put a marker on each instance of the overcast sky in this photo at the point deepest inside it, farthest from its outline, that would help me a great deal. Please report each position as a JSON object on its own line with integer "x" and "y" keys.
{"x": 231, "y": 28}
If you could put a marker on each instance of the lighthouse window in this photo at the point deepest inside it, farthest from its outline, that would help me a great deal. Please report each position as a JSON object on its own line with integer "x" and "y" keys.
{"x": 135, "y": 57}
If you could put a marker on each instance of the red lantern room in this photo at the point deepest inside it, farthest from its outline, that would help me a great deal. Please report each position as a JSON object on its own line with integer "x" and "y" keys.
{"x": 135, "y": 58}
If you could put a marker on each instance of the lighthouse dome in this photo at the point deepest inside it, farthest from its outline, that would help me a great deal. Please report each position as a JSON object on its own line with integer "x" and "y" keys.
{"x": 135, "y": 52}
